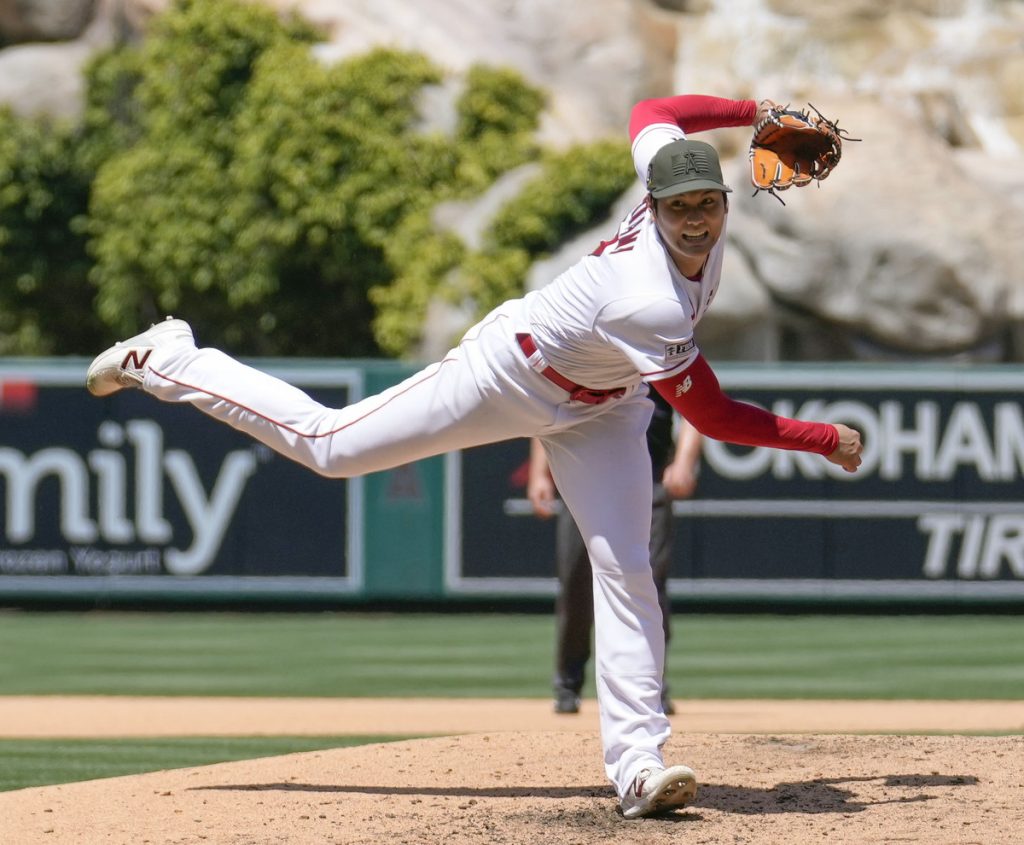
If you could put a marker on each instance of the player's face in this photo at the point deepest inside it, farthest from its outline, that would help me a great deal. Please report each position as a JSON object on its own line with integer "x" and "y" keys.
{"x": 690, "y": 225}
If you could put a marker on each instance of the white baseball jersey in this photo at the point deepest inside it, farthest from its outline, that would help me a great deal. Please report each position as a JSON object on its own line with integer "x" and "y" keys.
{"x": 625, "y": 313}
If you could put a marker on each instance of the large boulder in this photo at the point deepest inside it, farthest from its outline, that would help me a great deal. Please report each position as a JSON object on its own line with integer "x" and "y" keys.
{"x": 44, "y": 20}
{"x": 593, "y": 58}
{"x": 44, "y": 79}
{"x": 903, "y": 249}
{"x": 44, "y": 76}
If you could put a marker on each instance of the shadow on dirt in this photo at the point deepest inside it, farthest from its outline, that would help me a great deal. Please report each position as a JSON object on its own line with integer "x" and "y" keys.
{"x": 822, "y": 795}
{"x": 449, "y": 791}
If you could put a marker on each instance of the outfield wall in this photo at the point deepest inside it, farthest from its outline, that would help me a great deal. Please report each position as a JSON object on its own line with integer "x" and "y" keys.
{"x": 129, "y": 498}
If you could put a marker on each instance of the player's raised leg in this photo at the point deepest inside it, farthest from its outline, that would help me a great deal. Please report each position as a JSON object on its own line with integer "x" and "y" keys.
{"x": 459, "y": 402}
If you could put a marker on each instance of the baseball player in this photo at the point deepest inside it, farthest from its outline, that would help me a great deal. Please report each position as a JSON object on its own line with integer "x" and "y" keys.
{"x": 571, "y": 364}
{"x": 674, "y": 476}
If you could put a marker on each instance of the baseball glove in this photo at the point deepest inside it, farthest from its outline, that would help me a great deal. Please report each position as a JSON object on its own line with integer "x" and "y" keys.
{"x": 793, "y": 148}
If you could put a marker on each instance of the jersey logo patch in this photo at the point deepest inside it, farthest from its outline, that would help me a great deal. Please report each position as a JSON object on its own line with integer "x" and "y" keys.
{"x": 684, "y": 386}
{"x": 678, "y": 350}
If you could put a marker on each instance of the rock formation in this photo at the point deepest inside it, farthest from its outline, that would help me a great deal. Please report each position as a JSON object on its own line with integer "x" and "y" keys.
{"x": 913, "y": 249}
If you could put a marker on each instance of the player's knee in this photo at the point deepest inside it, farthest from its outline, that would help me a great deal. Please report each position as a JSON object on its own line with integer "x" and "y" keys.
{"x": 324, "y": 465}
{"x": 616, "y": 560}
{"x": 333, "y": 469}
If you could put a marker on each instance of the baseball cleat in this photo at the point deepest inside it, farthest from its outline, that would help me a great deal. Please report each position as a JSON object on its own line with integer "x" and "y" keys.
{"x": 124, "y": 364}
{"x": 658, "y": 790}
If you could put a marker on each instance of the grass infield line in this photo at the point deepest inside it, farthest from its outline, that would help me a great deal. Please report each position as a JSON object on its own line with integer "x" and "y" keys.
{"x": 40, "y": 762}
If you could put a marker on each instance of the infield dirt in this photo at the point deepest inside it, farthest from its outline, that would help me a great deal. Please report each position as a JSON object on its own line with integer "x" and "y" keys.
{"x": 542, "y": 783}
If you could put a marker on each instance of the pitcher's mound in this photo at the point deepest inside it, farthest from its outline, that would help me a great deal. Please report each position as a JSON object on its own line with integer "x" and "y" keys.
{"x": 549, "y": 787}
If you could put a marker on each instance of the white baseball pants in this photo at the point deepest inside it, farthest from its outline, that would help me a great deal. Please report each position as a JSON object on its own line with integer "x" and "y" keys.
{"x": 484, "y": 391}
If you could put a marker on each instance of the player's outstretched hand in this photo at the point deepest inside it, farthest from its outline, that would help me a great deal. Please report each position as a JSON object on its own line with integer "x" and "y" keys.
{"x": 847, "y": 453}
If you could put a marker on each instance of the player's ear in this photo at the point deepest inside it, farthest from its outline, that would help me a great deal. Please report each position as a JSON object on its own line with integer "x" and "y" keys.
{"x": 652, "y": 203}
{"x": 725, "y": 199}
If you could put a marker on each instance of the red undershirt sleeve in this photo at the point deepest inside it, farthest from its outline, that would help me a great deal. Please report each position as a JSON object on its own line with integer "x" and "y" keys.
{"x": 696, "y": 394}
{"x": 692, "y": 113}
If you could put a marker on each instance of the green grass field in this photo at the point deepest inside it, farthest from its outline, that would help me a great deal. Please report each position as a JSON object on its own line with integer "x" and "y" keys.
{"x": 36, "y": 762}
{"x": 353, "y": 654}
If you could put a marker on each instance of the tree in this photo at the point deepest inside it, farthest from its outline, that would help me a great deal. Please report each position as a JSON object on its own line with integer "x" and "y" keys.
{"x": 43, "y": 261}
{"x": 284, "y": 207}
{"x": 265, "y": 195}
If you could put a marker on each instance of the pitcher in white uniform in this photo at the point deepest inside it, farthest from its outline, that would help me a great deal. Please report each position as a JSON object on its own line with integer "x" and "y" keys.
{"x": 570, "y": 364}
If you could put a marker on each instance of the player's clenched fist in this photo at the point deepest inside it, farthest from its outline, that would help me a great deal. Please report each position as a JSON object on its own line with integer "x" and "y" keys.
{"x": 847, "y": 453}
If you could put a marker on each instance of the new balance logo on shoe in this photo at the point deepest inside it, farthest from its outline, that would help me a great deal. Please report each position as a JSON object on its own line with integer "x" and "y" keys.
{"x": 124, "y": 364}
{"x": 658, "y": 791}
{"x": 133, "y": 360}
{"x": 639, "y": 781}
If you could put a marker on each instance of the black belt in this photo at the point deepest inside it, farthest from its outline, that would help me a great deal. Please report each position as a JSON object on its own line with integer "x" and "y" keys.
{"x": 577, "y": 392}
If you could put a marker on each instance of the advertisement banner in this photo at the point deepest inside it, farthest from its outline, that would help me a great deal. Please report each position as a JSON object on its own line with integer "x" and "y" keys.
{"x": 130, "y": 497}
{"x": 133, "y": 496}
{"x": 936, "y": 510}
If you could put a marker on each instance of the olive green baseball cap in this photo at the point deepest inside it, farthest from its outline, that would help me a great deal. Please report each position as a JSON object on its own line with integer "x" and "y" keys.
{"x": 683, "y": 166}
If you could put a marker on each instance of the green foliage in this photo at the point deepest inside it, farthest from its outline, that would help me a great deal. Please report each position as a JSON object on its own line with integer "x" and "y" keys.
{"x": 498, "y": 112}
{"x": 266, "y": 195}
{"x": 573, "y": 191}
{"x": 112, "y": 118}
{"x": 221, "y": 172}
{"x": 497, "y": 116}
{"x": 426, "y": 259}
{"x": 197, "y": 62}
{"x": 43, "y": 263}
{"x": 167, "y": 219}
{"x": 495, "y": 274}
{"x": 255, "y": 236}
{"x": 162, "y": 232}
{"x": 574, "y": 188}
{"x": 497, "y": 100}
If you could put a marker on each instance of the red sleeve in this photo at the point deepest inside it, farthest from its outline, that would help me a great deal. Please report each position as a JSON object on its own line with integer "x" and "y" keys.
{"x": 696, "y": 394}
{"x": 692, "y": 113}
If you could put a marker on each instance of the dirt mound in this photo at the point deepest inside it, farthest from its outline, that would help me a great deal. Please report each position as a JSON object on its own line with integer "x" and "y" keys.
{"x": 531, "y": 787}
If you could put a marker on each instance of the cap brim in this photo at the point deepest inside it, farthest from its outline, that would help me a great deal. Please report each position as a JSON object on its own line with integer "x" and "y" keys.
{"x": 690, "y": 186}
